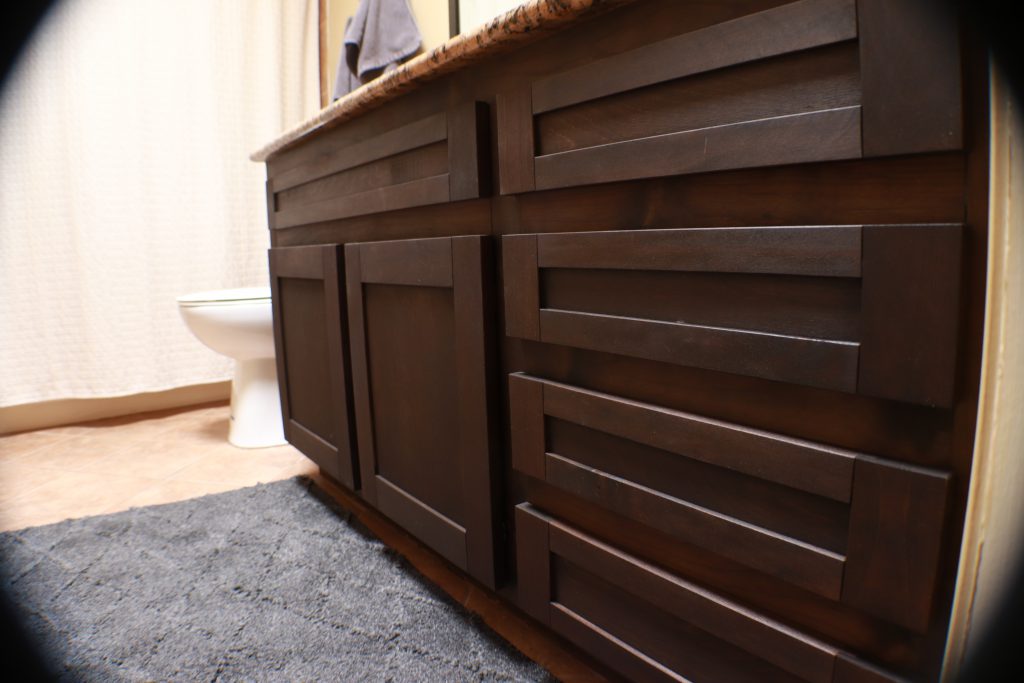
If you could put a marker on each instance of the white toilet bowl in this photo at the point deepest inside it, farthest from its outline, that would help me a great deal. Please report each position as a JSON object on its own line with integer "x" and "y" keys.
{"x": 238, "y": 323}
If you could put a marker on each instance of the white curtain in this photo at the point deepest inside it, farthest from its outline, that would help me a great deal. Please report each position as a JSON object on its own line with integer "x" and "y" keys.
{"x": 125, "y": 182}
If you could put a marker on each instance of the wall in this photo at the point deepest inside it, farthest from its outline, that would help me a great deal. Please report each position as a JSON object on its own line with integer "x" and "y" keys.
{"x": 431, "y": 17}
{"x": 994, "y": 525}
{"x": 472, "y": 13}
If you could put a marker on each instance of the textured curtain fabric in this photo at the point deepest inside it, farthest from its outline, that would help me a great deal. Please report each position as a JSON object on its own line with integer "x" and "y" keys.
{"x": 125, "y": 182}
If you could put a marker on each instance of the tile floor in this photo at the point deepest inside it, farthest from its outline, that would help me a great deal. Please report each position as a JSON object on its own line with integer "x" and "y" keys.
{"x": 111, "y": 465}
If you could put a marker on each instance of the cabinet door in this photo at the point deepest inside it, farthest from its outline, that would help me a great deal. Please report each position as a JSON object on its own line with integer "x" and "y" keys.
{"x": 312, "y": 355}
{"x": 419, "y": 313}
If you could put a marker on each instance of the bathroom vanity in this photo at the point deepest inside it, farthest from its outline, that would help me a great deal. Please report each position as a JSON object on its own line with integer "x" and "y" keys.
{"x": 662, "y": 319}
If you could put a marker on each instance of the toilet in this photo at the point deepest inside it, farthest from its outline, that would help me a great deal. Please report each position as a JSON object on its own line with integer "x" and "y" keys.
{"x": 238, "y": 323}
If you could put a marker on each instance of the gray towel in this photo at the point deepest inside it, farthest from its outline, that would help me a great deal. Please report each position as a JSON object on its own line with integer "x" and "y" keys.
{"x": 380, "y": 35}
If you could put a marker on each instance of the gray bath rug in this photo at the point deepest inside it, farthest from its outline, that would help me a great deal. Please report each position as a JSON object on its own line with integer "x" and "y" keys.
{"x": 269, "y": 583}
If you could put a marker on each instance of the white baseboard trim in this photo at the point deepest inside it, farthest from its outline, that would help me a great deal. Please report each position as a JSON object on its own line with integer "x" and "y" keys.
{"x": 30, "y": 416}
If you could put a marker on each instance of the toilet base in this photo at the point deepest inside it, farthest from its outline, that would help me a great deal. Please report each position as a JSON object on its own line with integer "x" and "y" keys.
{"x": 255, "y": 405}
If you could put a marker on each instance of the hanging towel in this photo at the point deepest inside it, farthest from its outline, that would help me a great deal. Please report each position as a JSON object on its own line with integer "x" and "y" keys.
{"x": 380, "y": 35}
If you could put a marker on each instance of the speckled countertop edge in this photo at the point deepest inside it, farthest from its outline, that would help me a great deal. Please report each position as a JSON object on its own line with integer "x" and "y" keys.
{"x": 528, "y": 22}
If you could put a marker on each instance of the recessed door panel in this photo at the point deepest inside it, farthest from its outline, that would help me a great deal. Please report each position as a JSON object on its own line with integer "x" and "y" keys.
{"x": 422, "y": 360}
{"x": 311, "y": 341}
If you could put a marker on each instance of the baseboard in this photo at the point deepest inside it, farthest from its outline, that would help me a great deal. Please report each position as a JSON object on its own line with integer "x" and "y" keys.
{"x": 23, "y": 418}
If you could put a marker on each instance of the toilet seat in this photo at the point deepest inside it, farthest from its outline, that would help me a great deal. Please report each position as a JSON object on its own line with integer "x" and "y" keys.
{"x": 226, "y": 297}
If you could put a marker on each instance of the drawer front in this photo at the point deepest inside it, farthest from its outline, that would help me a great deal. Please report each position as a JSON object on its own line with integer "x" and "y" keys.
{"x": 860, "y": 309}
{"x": 651, "y": 625}
{"x": 437, "y": 159}
{"x": 807, "y": 81}
{"x": 311, "y": 340}
{"x": 846, "y": 526}
{"x": 422, "y": 358}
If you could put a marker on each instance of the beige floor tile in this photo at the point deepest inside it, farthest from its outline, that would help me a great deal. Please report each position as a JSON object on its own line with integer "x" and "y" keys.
{"x": 172, "y": 491}
{"x": 242, "y": 466}
{"x": 22, "y": 518}
{"x": 204, "y": 429}
{"x": 155, "y": 417}
{"x": 78, "y": 453}
{"x": 111, "y": 465}
{"x": 304, "y": 467}
{"x": 89, "y": 491}
{"x": 15, "y": 446}
{"x": 18, "y": 481}
{"x": 284, "y": 455}
{"x": 73, "y": 494}
{"x": 155, "y": 458}
{"x": 128, "y": 430}
{"x": 71, "y": 430}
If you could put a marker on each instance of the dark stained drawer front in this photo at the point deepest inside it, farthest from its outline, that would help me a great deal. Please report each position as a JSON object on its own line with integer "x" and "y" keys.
{"x": 441, "y": 158}
{"x": 806, "y": 81}
{"x": 860, "y": 309}
{"x": 846, "y": 526}
{"x": 422, "y": 360}
{"x": 651, "y": 625}
{"x": 311, "y": 339}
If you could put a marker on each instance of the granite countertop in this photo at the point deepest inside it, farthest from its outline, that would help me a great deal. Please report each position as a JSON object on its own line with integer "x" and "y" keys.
{"x": 529, "y": 22}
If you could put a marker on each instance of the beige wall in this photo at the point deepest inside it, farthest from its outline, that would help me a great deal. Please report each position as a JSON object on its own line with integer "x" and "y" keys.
{"x": 431, "y": 17}
{"x": 995, "y": 510}
{"x": 472, "y": 13}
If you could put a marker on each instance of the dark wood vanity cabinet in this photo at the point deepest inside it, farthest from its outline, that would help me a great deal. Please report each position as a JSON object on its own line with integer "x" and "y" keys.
{"x": 386, "y": 349}
{"x": 420, "y": 313}
{"x": 728, "y": 513}
{"x": 667, "y": 325}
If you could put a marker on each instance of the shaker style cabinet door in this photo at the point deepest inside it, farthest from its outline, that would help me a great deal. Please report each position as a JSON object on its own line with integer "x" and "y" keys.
{"x": 310, "y": 336}
{"x": 421, "y": 364}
